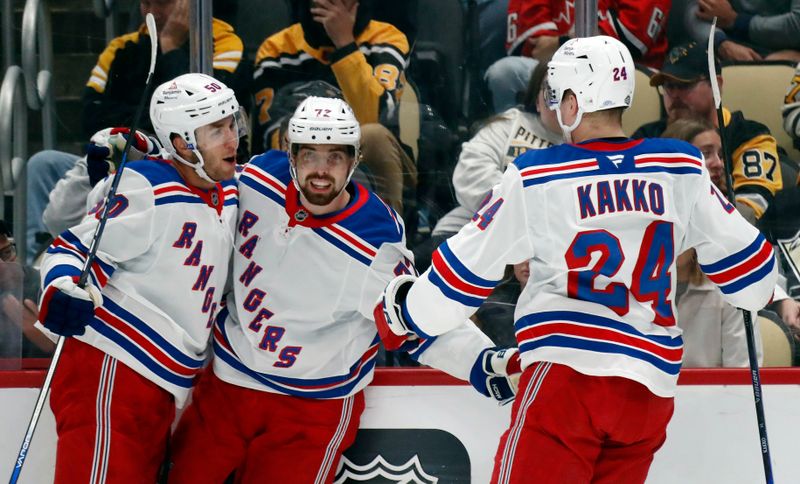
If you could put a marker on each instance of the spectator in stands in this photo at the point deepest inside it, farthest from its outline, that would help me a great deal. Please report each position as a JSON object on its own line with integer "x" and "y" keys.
{"x": 702, "y": 297}
{"x": 536, "y": 28}
{"x": 18, "y": 310}
{"x": 747, "y": 30}
{"x": 484, "y": 158}
{"x": 67, "y": 205}
{"x": 713, "y": 330}
{"x": 336, "y": 41}
{"x": 686, "y": 92}
{"x": 115, "y": 86}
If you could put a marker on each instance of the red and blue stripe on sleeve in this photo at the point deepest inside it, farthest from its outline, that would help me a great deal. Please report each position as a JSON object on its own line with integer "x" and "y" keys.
{"x": 742, "y": 269}
{"x": 69, "y": 244}
{"x": 456, "y": 281}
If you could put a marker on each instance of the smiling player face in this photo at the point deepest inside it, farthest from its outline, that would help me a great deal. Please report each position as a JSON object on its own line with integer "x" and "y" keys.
{"x": 322, "y": 172}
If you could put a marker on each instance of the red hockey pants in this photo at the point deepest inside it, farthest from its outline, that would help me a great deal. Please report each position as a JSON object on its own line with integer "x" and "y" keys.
{"x": 567, "y": 427}
{"x": 112, "y": 423}
{"x": 265, "y": 437}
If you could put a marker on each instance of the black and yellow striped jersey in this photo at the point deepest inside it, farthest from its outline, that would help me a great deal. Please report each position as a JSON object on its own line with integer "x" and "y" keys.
{"x": 756, "y": 162}
{"x": 369, "y": 72}
{"x": 754, "y": 154}
{"x": 116, "y": 82}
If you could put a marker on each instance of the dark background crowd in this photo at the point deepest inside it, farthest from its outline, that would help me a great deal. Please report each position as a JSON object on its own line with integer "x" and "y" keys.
{"x": 447, "y": 92}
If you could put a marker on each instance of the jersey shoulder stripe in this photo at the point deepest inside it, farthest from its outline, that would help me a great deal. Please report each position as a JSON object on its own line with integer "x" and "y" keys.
{"x": 567, "y": 161}
{"x": 268, "y": 174}
{"x": 174, "y": 192}
{"x": 374, "y": 222}
{"x": 361, "y": 228}
{"x": 591, "y": 332}
{"x": 156, "y": 171}
{"x": 678, "y": 163}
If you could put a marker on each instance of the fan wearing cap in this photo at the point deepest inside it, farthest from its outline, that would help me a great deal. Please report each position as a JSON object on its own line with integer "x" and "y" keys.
{"x": 295, "y": 345}
{"x": 686, "y": 92}
{"x": 138, "y": 331}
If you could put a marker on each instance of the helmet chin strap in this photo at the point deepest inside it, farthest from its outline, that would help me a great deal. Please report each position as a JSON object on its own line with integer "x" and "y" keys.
{"x": 567, "y": 130}
{"x": 198, "y": 168}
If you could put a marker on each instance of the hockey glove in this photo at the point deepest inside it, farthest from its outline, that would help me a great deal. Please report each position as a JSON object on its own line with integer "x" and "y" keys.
{"x": 393, "y": 330}
{"x": 104, "y": 151}
{"x": 496, "y": 373}
{"x": 66, "y": 309}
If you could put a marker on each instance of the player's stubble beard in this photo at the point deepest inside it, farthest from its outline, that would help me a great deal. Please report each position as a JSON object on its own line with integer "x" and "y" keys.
{"x": 316, "y": 198}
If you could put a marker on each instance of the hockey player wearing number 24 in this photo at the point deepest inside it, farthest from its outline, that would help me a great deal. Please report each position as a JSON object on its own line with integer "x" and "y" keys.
{"x": 296, "y": 345}
{"x": 600, "y": 220}
{"x": 139, "y": 329}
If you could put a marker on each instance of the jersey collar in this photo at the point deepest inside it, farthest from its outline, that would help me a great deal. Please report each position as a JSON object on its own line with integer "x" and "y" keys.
{"x": 608, "y": 144}
{"x": 214, "y": 197}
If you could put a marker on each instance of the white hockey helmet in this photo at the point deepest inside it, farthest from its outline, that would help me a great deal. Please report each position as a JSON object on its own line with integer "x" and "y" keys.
{"x": 180, "y": 106}
{"x": 600, "y": 72}
{"x": 324, "y": 121}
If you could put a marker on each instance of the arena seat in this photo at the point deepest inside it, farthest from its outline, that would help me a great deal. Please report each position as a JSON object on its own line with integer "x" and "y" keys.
{"x": 758, "y": 89}
{"x": 646, "y": 105}
{"x": 779, "y": 345}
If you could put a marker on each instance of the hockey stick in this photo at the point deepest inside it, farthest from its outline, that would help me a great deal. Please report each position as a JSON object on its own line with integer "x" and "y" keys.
{"x": 748, "y": 322}
{"x": 37, "y": 410}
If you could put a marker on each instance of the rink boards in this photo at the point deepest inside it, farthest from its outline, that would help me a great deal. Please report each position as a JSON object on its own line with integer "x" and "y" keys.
{"x": 423, "y": 426}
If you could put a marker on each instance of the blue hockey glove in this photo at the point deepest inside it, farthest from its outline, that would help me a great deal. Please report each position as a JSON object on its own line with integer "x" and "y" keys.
{"x": 66, "y": 309}
{"x": 393, "y": 330}
{"x": 496, "y": 373}
{"x": 104, "y": 151}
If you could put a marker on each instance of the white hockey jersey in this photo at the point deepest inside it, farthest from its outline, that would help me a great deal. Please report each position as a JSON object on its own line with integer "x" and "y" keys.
{"x": 299, "y": 319}
{"x": 162, "y": 264}
{"x": 601, "y": 224}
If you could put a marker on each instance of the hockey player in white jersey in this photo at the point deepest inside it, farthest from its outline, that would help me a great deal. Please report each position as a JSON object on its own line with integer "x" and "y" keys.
{"x": 295, "y": 345}
{"x": 600, "y": 220}
{"x": 138, "y": 332}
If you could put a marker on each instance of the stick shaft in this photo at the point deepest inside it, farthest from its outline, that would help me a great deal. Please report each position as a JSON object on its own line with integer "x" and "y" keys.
{"x": 98, "y": 233}
{"x": 755, "y": 376}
